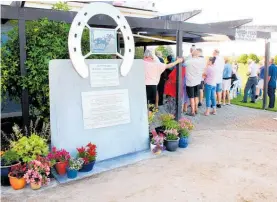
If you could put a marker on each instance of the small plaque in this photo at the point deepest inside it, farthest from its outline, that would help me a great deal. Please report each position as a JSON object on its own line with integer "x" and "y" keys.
{"x": 102, "y": 75}
{"x": 103, "y": 41}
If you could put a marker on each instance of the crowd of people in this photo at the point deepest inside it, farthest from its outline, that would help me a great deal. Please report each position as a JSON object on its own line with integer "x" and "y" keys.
{"x": 211, "y": 79}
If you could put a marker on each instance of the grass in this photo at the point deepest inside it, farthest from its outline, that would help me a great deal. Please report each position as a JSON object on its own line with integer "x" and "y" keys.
{"x": 257, "y": 105}
{"x": 237, "y": 101}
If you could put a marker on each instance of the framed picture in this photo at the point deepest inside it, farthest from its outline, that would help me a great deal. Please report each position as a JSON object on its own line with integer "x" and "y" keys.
{"x": 103, "y": 41}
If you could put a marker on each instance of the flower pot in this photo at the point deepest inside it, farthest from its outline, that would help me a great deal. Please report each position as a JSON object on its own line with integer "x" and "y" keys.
{"x": 183, "y": 142}
{"x": 5, "y": 170}
{"x": 61, "y": 167}
{"x": 171, "y": 145}
{"x": 17, "y": 183}
{"x": 35, "y": 186}
{"x": 71, "y": 174}
{"x": 152, "y": 148}
{"x": 87, "y": 167}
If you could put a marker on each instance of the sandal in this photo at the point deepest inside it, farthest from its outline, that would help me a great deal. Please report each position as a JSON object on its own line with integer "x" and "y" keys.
{"x": 213, "y": 113}
{"x": 207, "y": 114}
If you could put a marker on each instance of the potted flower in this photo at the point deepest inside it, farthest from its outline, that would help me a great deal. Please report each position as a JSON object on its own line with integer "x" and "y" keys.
{"x": 73, "y": 166}
{"x": 166, "y": 120}
{"x": 186, "y": 123}
{"x": 184, "y": 134}
{"x": 28, "y": 148}
{"x": 16, "y": 176}
{"x": 59, "y": 158}
{"x": 88, "y": 154}
{"x": 171, "y": 139}
{"x": 8, "y": 160}
{"x": 38, "y": 173}
{"x": 156, "y": 144}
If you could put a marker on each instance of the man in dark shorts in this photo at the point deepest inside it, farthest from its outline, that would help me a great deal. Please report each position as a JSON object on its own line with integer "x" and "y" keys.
{"x": 195, "y": 68}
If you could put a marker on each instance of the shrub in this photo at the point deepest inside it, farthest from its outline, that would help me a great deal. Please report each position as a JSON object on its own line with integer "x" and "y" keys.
{"x": 9, "y": 158}
{"x": 45, "y": 40}
{"x": 29, "y": 148}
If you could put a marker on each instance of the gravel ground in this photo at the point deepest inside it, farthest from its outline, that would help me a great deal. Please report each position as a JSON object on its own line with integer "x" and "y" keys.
{"x": 231, "y": 158}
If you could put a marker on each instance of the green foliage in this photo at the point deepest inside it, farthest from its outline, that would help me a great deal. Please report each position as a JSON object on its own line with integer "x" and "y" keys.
{"x": 243, "y": 59}
{"x": 165, "y": 50}
{"x": 275, "y": 59}
{"x": 61, "y": 6}
{"x": 28, "y": 148}
{"x": 38, "y": 127}
{"x": 46, "y": 40}
{"x": 184, "y": 132}
{"x": 172, "y": 124}
{"x": 139, "y": 52}
{"x": 254, "y": 57}
{"x": 9, "y": 157}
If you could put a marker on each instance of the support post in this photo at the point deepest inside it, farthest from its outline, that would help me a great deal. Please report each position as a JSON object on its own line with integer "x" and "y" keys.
{"x": 144, "y": 48}
{"x": 23, "y": 72}
{"x": 179, "y": 79}
{"x": 267, "y": 55}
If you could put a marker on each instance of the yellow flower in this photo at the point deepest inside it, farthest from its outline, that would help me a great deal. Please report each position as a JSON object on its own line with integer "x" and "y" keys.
{"x": 2, "y": 152}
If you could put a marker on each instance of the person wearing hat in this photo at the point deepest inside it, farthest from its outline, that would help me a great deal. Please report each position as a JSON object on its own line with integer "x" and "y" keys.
{"x": 252, "y": 81}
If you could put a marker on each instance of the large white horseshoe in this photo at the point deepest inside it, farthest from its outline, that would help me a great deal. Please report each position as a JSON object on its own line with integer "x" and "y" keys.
{"x": 81, "y": 21}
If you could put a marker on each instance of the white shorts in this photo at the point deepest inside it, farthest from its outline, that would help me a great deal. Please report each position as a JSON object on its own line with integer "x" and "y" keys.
{"x": 261, "y": 84}
{"x": 226, "y": 84}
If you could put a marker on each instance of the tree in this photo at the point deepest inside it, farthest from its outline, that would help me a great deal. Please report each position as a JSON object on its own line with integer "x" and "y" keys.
{"x": 165, "y": 50}
{"x": 46, "y": 40}
{"x": 275, "y": 59}
{"x": 61, "y": 6}
{"x": 243, "y": 58}
{"x": 254, "y": 57}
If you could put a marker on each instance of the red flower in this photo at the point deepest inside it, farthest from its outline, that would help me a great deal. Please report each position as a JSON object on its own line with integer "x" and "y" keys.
{"x": 81, "y": 150}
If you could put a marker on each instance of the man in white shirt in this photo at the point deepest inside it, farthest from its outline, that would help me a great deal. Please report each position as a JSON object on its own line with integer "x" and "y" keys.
{"x": 201, "y": 85}
{"x": 194, "y": 70}
{"x": 252, "y": 81}
{"x": 219, "y": 66}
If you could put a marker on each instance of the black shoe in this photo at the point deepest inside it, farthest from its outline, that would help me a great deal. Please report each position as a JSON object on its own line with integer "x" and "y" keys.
{"x": 253, "y": 102}
{"x": 218, "y": 105}
{"x": 199, "y": 104}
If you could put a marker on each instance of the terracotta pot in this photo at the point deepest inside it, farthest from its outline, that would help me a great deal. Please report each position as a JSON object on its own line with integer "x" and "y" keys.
{"x": 5, "y": 170}
{"x": 35, "y": 186}
{"x": 61, "y": 167}
{"x": 17, "y": 183}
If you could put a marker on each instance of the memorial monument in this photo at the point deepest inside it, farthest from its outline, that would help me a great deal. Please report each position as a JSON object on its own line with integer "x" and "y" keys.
{"x": 99, "y": 101}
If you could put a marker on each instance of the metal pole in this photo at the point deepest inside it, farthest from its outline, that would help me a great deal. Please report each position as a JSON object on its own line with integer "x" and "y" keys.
{"x": 23, "y": 71}
{"x": 179, "y": 79}
{"x": 267, "y": 55}
{"x": 144, "y": 48}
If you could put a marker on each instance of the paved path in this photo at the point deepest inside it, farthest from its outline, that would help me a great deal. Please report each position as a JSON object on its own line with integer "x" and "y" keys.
{"x": 232, "y": 157}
